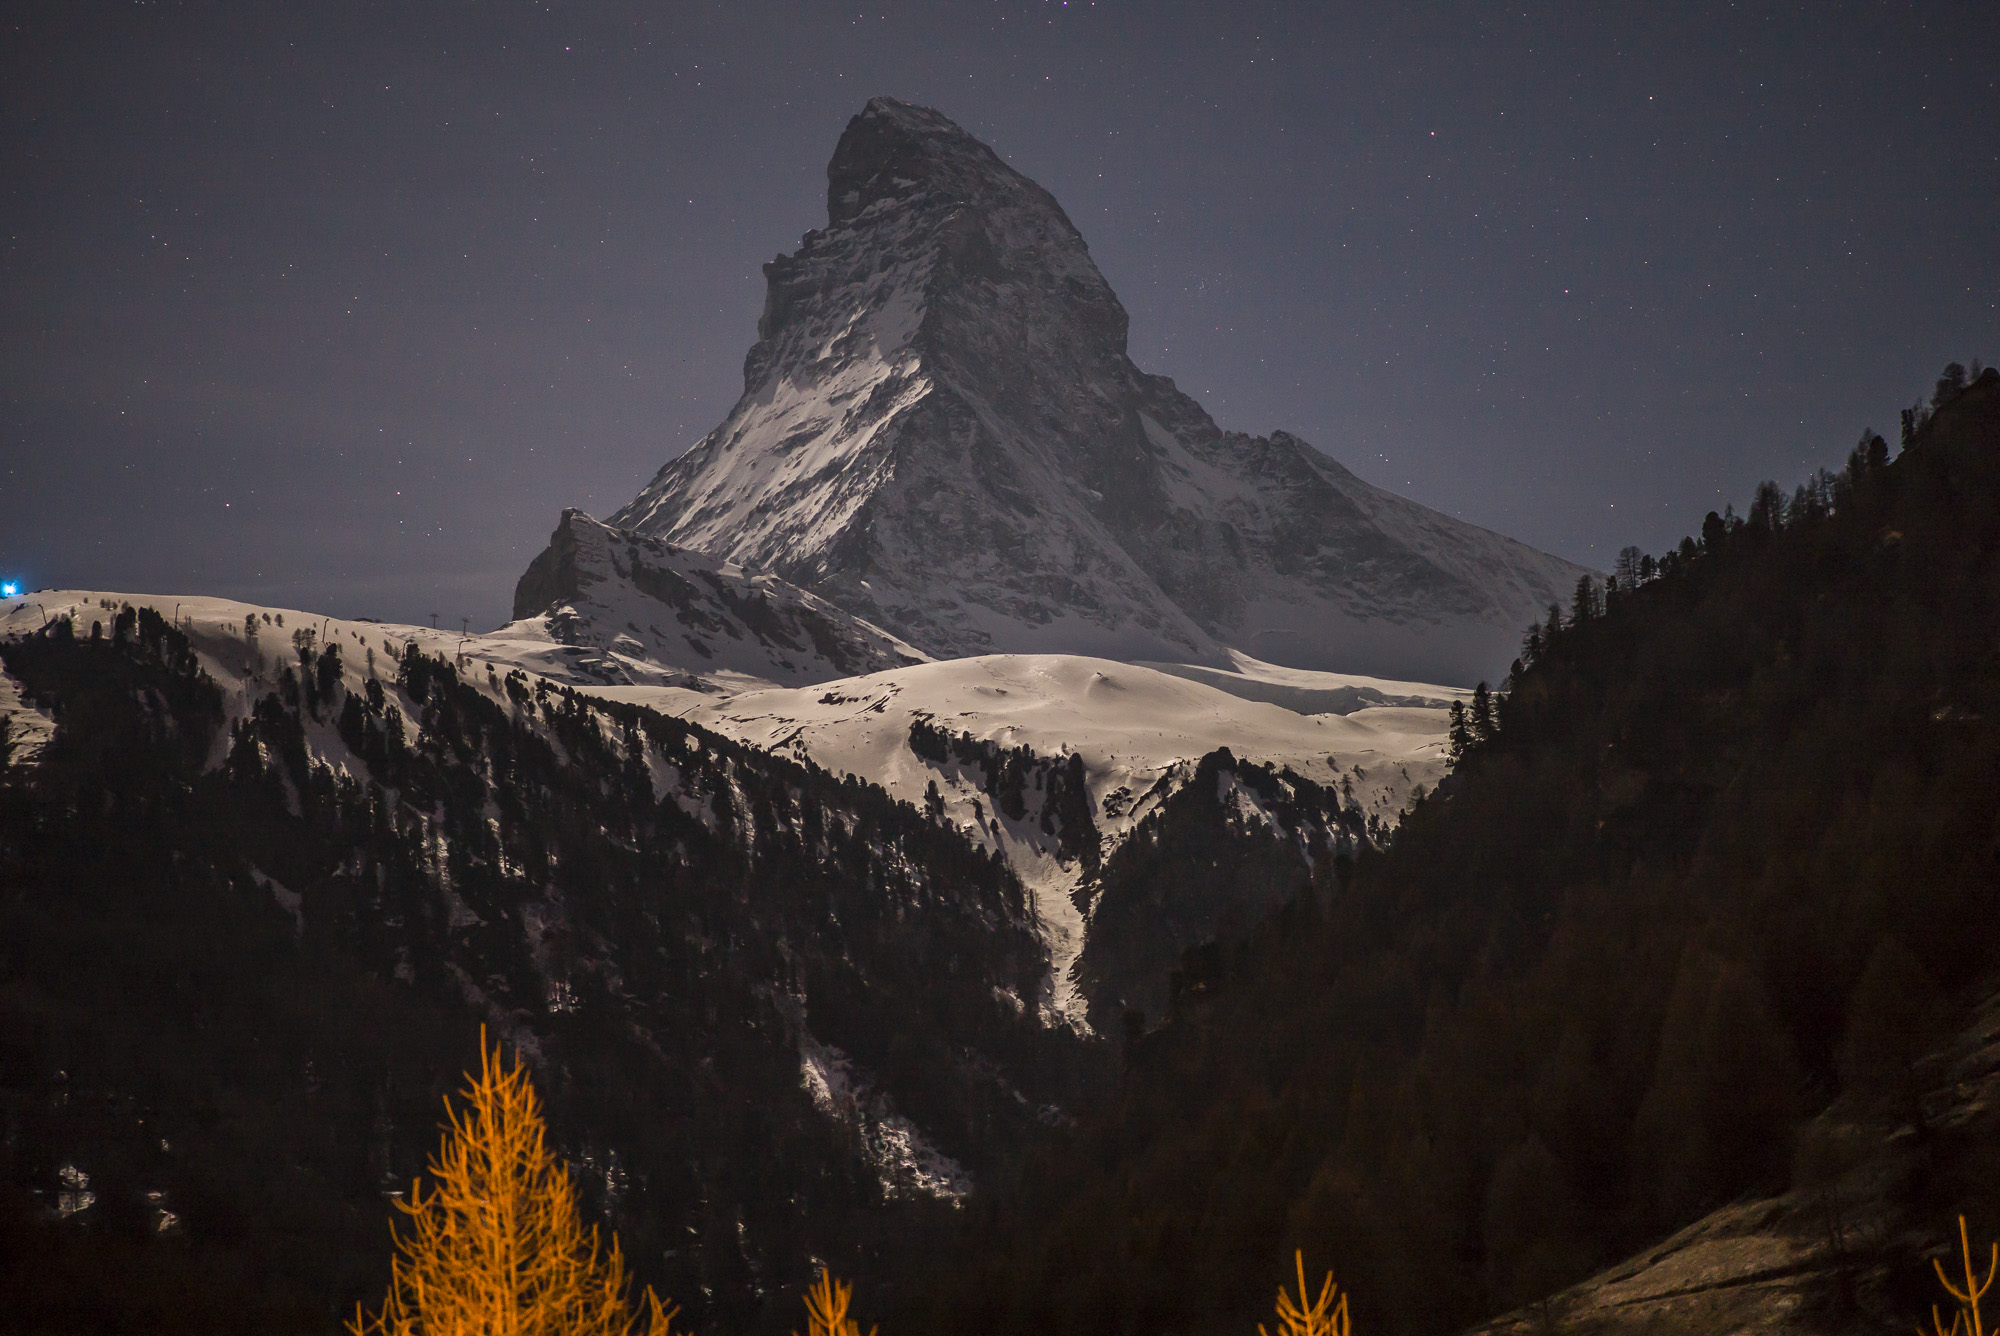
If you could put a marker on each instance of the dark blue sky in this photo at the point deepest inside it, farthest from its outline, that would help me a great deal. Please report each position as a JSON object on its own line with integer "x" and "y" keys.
{"x": 337, "y": 306}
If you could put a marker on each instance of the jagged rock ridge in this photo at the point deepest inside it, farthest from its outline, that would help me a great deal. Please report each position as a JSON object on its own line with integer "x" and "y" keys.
{"x": 941, "y": 432}
{"x": 619, "y": 603}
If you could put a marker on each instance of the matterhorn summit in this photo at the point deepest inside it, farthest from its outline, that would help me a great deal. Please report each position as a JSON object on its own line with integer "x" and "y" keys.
{"x": 941, "y": 434}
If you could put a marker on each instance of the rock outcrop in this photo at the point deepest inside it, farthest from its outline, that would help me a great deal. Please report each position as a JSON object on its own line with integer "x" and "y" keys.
{"x": 630, "y": 603}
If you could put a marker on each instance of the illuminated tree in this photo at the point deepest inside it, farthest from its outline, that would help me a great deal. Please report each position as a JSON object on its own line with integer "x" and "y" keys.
{"x": 826, "y": 1308}
{"x": 1320, "y": 1317}
{"x": 496, "y": 1248}
{"x": 1966, "y": 1319}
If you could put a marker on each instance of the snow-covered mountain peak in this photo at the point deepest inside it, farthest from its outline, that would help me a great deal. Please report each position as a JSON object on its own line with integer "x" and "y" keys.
{"x": 942, "y": 434}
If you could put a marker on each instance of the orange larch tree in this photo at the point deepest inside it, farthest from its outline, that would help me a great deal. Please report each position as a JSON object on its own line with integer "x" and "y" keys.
{"x": 1316, "y": 1317}
{"x": 496, "y": 1248}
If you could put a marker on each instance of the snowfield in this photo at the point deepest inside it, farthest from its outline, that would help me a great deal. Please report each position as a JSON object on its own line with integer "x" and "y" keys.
{"x": 1134, "y": 726}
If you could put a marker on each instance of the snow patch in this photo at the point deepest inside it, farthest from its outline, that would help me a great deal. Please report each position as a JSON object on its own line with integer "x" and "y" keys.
{"x": 29, "y": 727}
{"x": 905, "y": 1162}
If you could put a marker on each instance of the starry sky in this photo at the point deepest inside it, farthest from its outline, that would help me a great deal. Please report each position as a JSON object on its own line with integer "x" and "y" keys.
{"x": 335, "y": 306}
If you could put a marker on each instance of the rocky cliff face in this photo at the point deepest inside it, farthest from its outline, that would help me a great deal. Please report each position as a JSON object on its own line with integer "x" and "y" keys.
{"x": 621, "y": 604}
{"x": 941, "y": 432}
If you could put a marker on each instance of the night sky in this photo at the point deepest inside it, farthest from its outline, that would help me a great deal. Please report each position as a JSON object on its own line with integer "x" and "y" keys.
{"x": 337, "y": 306}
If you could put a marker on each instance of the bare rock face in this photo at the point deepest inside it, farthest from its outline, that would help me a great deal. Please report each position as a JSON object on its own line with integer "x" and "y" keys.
{"x": 940, "y": 431}
{"x": 626, "y": 601}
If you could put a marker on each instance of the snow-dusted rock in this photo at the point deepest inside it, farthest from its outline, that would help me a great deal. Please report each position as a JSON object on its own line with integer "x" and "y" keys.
{"x": 624, "y": 602}
{"x": 941, "y": 432}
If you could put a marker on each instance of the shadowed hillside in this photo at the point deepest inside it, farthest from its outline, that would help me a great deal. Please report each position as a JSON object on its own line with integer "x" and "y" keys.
{"x": 1724, "y": 856}
{"x": 243, "y": 960}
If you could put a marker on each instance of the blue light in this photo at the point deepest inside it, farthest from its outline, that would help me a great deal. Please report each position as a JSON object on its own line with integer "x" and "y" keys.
{"x": 9, "y": 589}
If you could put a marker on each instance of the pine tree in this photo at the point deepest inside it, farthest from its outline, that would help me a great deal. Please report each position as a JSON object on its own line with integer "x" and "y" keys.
{"x": 1726, "y": 1088}
{"x": 1584, "y": 603}
{"x": 1767, "y": 509}
{"x": 1626, "y": 569}
{"x": 1482, "y": 714}
{"x": 1876, "y": 453}
{"x": 1914, "y": 418}
{"x": 1950, "y": 385}
{"x": 497, "y": 1248}
{"x": 1459, "y": 735}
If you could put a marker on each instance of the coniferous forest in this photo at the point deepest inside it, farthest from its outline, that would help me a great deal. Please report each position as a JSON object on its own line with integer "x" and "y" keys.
{"x": 238, "y": 982}
{"x": 1715, "y": 876}
{"x": 1725, "y": 854}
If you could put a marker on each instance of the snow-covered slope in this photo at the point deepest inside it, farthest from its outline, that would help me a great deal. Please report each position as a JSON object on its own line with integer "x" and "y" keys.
{"x": 619, "y": 606}
{"x": 941, "y": 432}
{"x": 1304, "y": 691}
{"x": 24, "y": 728}
{"x": 1138, "y": 730}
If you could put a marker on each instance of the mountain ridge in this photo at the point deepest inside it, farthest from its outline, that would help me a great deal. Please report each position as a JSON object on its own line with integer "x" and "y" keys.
{"x": 724, "y": 626}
